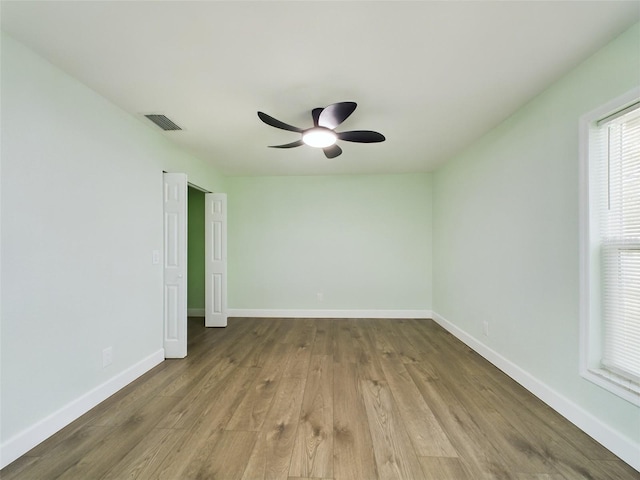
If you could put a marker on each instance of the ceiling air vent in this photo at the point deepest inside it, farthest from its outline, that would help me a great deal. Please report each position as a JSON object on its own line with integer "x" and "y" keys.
{"x": 163, "y": 122}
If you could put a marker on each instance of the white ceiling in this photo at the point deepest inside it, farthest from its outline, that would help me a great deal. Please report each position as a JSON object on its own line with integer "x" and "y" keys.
{"x": 432, "y": 76}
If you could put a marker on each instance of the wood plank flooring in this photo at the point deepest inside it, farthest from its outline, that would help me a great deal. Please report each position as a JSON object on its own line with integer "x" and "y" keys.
{"x": 322, "y": 399}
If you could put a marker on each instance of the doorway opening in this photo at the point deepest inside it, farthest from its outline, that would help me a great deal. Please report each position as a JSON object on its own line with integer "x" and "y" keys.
{"x": 195, "y": 252}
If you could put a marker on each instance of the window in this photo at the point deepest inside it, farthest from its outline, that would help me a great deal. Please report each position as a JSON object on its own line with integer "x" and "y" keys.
{"x": 610, "y": 246}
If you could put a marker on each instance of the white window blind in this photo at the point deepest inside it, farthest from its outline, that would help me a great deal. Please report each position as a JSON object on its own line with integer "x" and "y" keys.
{"x": 620, "y": 243}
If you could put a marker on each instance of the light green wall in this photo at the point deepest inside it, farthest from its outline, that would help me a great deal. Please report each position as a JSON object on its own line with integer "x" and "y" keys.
{"x": 81, "y": 218}
{"x": 506, "y": 239}
{"x": 195, "y": 249}
{"x": 364, "y": 242}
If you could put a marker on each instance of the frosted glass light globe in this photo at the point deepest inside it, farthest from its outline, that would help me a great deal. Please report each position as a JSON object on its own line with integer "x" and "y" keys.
{"x": 319, "y": 137}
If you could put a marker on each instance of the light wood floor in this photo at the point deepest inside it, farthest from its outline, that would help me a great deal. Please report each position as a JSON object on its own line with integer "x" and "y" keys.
{"x": 324, "y": 399}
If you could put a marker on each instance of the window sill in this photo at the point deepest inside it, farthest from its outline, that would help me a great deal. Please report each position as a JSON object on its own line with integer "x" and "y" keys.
{"x": 615, "y": 384}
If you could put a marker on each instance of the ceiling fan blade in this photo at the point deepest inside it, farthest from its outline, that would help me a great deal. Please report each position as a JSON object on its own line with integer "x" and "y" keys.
{"x": 361, "y": 136}
{"x": 297, "y": 143}
{"x": 315, "y": 113}
{"x": 335, "y": 114}
{"x": 332, "y": 152}
{"x": 269, "y": 120}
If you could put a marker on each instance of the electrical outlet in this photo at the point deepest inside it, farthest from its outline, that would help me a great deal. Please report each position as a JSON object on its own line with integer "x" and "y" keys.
{"x": 320, "y": 296}
{"x": 485, "y": 328}
{"x": 107, "y": 357}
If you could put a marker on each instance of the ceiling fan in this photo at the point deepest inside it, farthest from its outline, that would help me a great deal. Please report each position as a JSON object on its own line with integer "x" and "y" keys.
{"x": 323, "y": 134}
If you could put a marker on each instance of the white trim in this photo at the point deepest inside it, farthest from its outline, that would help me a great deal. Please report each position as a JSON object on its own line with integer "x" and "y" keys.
{"x": 24, "y": 441}
{"x": 196, "y": 187}
{"x": 318, "y": 313}
{"x": 620, "y": 445}
{"x": 195, "y": 312}
{"x": 618, "y": 386}
{"x": 625, "y": 100}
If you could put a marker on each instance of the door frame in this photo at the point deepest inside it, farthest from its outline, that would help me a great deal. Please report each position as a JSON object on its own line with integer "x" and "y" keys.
{"x": 221, "y": 303}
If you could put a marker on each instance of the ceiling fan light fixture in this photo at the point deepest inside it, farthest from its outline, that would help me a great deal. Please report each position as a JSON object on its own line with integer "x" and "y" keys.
{"x": 319, "y": 137}
{"x": 322, "y": 134}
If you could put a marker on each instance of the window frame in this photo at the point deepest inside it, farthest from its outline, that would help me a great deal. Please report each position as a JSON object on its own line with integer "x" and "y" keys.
{"x": 590, "y": 287}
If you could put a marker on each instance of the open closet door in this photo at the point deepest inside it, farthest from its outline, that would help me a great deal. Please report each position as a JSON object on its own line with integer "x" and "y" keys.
{"x": 216, "y": 260}
{"x": 175, "y": 265}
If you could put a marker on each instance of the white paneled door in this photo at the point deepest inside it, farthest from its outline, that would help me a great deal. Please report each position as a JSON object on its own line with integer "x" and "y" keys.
{"x": 175, "y": 265}
{"x": 215, "y": 260}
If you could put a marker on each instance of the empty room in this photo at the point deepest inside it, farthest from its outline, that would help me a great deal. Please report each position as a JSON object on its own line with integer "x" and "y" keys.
{"x": 332, "y": 240}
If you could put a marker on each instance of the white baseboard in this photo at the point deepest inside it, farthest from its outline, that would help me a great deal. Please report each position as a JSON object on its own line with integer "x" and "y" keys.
{"x": 24, "y": 441}
{"x": 319, "y": 313}
{"x": 620, "y": 445}
{"x": 195, "y": 312}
